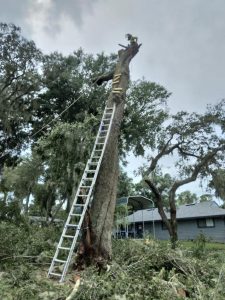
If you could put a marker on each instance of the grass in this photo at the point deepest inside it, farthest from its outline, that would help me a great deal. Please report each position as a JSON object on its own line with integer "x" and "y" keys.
{"x": 209, "y": 245}
{"x": 190, "y": 244}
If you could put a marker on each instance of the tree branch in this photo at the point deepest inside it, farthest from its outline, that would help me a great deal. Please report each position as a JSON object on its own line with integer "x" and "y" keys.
{"x": 164, "y": 151}
{"x": 123, "y": 46}
{"x": 198, "y": 167}
{"x": 187, "y": 153}
{"x": 9, "y": 81}
{"x": 102, "y": 78}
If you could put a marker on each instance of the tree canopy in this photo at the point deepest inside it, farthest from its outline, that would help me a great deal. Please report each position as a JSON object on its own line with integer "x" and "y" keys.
{"x": 54, "y": 110}
{"x": 49, "y": 105}
{"x": 20, "y": 82}
{"x": 196, "y": 144}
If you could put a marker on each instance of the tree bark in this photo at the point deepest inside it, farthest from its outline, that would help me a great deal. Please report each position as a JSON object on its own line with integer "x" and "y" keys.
{"x": 102, "y": 210}
{"x": 27, "y": 202}
{"x": 159, "y": 204}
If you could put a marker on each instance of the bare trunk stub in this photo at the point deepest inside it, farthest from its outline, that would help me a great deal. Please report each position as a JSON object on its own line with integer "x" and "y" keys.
{"x": 96, "y": 246}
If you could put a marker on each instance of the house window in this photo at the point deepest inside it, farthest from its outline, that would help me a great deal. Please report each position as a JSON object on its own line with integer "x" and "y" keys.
{"x": 203, "y": 223}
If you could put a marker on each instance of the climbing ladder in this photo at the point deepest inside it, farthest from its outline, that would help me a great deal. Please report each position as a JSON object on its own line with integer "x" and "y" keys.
{"x": 82, "y": 200}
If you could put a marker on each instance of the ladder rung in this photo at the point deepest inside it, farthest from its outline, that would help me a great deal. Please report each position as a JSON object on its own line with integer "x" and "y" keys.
{"x": 55, "y": 274}
{"x": 100, "y": 143}
{"x": 90, "y": 171}
{"x": 109, "y": 108}
{"x": 60, "y": 260}
{"x": 85, "y": 186}
{"x": 71, "y": 225}
{"x": 93, "y": 163}
{"x": 98, "y": 150}
{"x": 68, "y": 236}
{"x": 75, "y": 215}
{"x": 63, "y": 248}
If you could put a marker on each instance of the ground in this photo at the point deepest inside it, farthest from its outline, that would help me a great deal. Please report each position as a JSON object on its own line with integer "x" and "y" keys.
{"x": 140, "y": 269}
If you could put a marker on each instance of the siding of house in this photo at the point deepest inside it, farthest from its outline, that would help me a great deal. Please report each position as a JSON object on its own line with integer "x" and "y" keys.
{"x": 189, "y": 230}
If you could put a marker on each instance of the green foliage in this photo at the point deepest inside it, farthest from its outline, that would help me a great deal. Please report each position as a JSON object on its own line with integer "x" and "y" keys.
{"x": 24, "y": 252}
{"x": 140, "y": 269}
{"x": 120, "y": 215}
{"x": 205, "y": 197}
{"x": 217, "y": 183}
{"x": 186, "y": 197}
{"x": 65, "y": 151}
{"x": 21, "y": 180}
{"x": 45, "y": 86}
{"x": 19, "y": 82}
{"x": 125, "y": 185}
{"x": 11, "y": 211}
{"x": 162, "y": 182}
{"x": 44, "y": 197}
{"x": 67, "y": 78}
{"x": 196, "y": 143}
{"x": 19, "y": 242}
{"x": 145, "y": 112}
{"x": 199, "y": 245}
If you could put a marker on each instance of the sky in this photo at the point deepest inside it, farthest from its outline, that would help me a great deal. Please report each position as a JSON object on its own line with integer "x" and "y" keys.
{"x": 183, "y": 41}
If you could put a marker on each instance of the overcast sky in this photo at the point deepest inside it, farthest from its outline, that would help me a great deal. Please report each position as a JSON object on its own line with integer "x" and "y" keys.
{"x": 183, "y": 40}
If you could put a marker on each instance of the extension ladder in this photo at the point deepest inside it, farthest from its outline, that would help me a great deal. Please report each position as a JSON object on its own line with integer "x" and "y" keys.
{"x": 82, "y": 200}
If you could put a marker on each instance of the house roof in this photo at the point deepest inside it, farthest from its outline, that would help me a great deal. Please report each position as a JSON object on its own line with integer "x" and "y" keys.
{"x": 188, "y": 211}
{"x": 136, "y": 202}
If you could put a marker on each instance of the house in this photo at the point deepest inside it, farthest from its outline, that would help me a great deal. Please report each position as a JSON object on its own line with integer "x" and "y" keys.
{"x": 192, "y": 219}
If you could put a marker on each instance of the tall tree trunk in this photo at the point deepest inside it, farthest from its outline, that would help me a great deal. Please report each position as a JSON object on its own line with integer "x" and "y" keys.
{"x": 103, "y": 205}
{"x": 172, "y": 223}
{"x": 27, "y": 203}
{"x": 5, "y": 196}
{"x": 173, "y": 219}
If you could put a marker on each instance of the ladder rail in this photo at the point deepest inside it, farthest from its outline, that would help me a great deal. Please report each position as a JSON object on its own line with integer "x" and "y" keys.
{"x": 87, "y": 202}
{"x": 90, "y": 191}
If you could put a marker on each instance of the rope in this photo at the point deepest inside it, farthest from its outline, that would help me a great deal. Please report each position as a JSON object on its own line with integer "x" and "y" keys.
{"x": 34, "y": 134}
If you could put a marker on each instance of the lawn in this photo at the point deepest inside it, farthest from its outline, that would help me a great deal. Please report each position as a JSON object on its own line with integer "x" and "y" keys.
{"x": 190, "y": 244}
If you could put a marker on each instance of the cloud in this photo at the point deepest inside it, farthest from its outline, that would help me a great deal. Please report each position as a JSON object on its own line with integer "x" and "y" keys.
{"x": 183, "y": 40}
{"x": 52, "y": 13}
{"x": 15, "y": 12}
{"x": 57, "y": 10}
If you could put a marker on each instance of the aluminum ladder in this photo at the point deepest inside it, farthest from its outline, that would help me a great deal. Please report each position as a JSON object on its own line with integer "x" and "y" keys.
{"x": 73, "y": 225}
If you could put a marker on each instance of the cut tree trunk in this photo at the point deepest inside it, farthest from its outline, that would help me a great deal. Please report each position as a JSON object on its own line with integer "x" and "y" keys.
{"x": 96, "y": 246}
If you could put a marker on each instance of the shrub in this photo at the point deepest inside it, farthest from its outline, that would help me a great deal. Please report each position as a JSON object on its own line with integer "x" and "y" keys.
{"x": 199, "y": 245}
